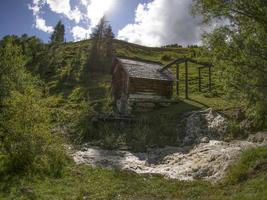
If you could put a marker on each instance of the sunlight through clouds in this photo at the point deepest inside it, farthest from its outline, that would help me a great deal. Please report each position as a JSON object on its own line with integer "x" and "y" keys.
{"x": 156, "y": 23}
{"x": 162, "y": 22}
{"x": 87, "y": 12}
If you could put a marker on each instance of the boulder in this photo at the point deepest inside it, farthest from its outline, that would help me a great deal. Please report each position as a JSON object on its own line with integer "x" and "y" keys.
{"x": 245, "y": 126}
{"x": 205, "y": 140}
{"x": 201, "y": 126}
{"x": 238, "y": 114}
{"x": 258, "y": 137}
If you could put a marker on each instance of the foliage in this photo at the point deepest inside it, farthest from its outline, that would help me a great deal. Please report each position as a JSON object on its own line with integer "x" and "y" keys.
{"x": 166, "y": 57}
{"x": 111, "y": 137}
{"x": 25, "y": 127}
{"x": 58, "y": 34}
{"x": 238, "y": 48}
{"x": 102, "y": 50}
{"x": 250, "y": 164}
{"x": 78, "y": 117}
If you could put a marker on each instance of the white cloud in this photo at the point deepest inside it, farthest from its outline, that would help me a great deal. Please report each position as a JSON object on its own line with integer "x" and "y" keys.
{"x": 80, "y": 33}
{"x": 163, "y": 22}
{"x": 87, "y": 11}
{"x": 63, "y": 7}
{"x": 156, "y": 23}
{"x": 41, "y": 25}
{"x": 96, "y": 9}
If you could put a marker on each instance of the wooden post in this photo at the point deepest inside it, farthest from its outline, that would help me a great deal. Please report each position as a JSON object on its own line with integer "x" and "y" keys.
{"x": 186, "y": 80}
{"x": 199, "y": 79}
{"x": 177, "y": 79}
{"x": 209, "y": 78}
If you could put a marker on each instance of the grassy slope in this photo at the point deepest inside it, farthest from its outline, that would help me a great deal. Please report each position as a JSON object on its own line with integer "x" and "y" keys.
{"x": 154, "y": 54}
{"x": 83, "y": 182}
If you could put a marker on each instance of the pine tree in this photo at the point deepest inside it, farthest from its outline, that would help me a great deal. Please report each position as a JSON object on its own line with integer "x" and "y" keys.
{"x": 109, "y": 36}
{"x": 58, "y": 34}
{"x": 101, "y": 55}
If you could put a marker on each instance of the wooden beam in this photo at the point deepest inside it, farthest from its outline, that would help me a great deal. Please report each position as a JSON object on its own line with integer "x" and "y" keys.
{"x": 186, "y": 80}
{"x": 177, "y": 79}
{"x": 182, "y": 60}
{"x": 199, "y": 79}
{"x": 178, "y": 61}
{"x": 204, "y": 64}
{"x": 210, "y": 78}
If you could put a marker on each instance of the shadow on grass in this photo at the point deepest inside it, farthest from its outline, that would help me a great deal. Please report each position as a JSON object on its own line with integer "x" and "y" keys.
{"x": 198, "y": 102}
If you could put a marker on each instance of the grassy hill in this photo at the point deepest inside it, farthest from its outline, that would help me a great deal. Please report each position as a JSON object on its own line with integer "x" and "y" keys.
{"x": 97, "y": 90}
{"x": 162, "y": 55}
{"x": 73, "y": 102}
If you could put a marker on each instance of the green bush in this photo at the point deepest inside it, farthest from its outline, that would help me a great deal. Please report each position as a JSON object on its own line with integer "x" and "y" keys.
{"x": 28, "y": 142}
{"x": 25, "y": 121}
{"x": 166, "y": 57}
{"x": 110, "y": 138}
{"x": 137, "y": 137}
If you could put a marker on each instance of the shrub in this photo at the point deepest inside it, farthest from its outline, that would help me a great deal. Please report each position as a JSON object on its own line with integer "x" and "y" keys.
{"x": 28, "y": 142}
{"x": 25, "y": 122}
{"x": 166, "y": 57}
{"x": 110, "y": 137}
{"x": 137, "y": 137}
{"x": 247, "y": 165}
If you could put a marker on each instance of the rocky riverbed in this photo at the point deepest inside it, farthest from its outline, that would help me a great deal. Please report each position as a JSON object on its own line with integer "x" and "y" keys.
{"x": 202, "y": 154}
{"x": 207, "y": 161}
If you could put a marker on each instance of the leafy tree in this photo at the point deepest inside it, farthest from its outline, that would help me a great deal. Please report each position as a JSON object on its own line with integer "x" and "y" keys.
{"x": 58, "y": 34}
{"x": 25, "y": 123}
{"x": 238, "y": 48}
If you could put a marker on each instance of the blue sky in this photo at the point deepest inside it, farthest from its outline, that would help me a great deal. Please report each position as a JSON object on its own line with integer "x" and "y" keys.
{"x": 146, "y": 22}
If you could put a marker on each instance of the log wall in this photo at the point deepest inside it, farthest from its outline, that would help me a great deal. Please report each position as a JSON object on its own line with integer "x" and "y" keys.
{"x": 162, "y": 88}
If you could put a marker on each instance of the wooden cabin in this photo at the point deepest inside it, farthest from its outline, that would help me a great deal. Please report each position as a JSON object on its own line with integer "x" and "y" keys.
{"x": 136, "y": 82}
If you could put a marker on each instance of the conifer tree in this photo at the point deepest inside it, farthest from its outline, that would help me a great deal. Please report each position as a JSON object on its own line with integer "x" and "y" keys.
{"x": 58, "y": 34}
{"x": 109, "y": 36}
{"x": 101, "y": 55}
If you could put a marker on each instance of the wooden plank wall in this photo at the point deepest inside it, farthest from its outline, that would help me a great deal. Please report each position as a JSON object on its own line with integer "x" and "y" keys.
{"x": 159, "y": 87}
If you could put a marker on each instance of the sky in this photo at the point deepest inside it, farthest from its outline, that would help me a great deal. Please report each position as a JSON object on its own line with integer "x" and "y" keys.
{"x": 145, "y": 22}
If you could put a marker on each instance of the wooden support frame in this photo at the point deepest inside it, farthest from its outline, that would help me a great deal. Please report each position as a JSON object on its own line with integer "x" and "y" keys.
{"x": 186, "y": 80}
{"x": 186, "y": 60}
{"x": 199, "y": 80}
{"x": 177, "y": 78}
{"x": 209, "y": 79}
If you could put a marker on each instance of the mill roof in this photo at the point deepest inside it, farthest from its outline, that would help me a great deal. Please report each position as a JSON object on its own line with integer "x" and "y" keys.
{"x": 145, "y": 69}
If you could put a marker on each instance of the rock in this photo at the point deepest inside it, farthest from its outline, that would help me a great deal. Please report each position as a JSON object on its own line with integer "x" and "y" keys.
{"x": 202, "y": 172}
{"x": 245, "y": 125}
{"x": 258, "y": 137}
{"x": 26, "y": 190}
{"x": 238, "y": 114}
{"x": 204, "y": 140}
{"x": 208, "y": 161}
{"x": 189, "y": 140}
{"x": 200, "y": 124}
{"x": 84, "y": 149}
